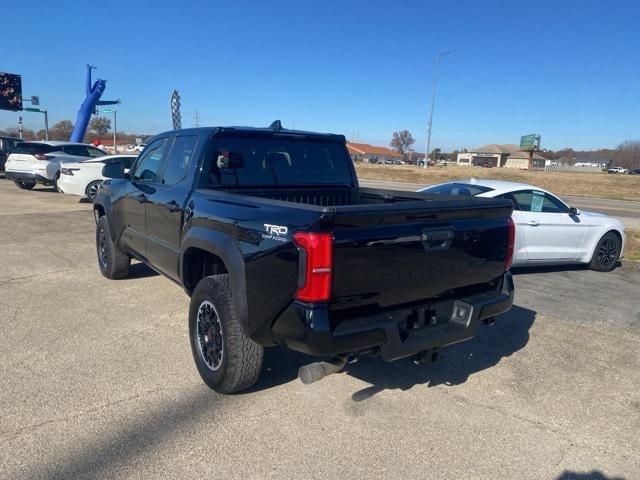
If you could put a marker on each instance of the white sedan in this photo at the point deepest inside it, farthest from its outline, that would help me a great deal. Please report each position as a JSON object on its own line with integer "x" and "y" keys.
{"x": 84, "y": 178}
{"x": 548, "y": 231}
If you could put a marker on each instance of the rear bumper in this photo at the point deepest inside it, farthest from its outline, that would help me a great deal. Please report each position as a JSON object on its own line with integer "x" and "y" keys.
{"x": 307, "y": 328}
{"x": 71, "y": 185}
{"x": 27, "y": 177}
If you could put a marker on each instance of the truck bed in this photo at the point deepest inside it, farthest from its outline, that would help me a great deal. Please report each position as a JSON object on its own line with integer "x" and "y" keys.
{"x": 356, "y": 196}
{"x": 391, "y": 248}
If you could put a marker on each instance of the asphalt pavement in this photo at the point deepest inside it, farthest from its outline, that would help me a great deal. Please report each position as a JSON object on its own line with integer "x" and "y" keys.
{"x": 98, "y": 380}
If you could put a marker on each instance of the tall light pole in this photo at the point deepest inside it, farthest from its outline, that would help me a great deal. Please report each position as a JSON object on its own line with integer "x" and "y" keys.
{"x": 115, "y": 129}
{"x": 439, "y": 57}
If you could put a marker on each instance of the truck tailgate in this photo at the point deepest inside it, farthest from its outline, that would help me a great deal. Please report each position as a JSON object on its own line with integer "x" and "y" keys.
{"x": 388, "y": 255}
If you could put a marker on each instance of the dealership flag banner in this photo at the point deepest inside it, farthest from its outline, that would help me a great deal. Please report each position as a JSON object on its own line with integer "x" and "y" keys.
{"x": 175, "y": 110}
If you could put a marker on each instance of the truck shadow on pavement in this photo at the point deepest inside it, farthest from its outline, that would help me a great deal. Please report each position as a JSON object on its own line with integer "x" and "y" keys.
{"x": 132, "y": 438}
{"x": 593, "y": 475}
{"x": 140, "y": 270}
{"x": 516, "y": 271}
{"x": 491, "y": 343}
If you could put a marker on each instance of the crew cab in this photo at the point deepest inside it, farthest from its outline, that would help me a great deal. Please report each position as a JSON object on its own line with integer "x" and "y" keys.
{"x": 270, "y": 234}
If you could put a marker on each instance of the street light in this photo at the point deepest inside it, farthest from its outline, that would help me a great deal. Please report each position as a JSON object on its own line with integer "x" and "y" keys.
{"x": 439, "y": 57}
{"x": 35, "y": 102}
{"x": 46, "y": 119}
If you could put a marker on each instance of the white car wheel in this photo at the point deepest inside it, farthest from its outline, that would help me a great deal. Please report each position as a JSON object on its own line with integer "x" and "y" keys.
{"x": 92, "y": 189}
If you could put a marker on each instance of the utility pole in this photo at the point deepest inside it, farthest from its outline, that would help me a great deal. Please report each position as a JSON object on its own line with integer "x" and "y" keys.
{"x": 35, "y": 102}
{"x": 115, "y": 125}
{"x": 115, "y": 129}
{"x": 46, "y": 119}
{"x": 46, "y": 125}
{"x": 196, "y": 119}
{"x": 439, "y": 57}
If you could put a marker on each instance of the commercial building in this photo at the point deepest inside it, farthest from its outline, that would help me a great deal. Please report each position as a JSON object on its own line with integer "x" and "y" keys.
{"x": 507, "y": 156}
{"x": 371, "y": 154}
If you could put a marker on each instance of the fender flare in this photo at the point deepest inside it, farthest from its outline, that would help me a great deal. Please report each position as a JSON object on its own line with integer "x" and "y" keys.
{"x": 103, "y": 201}
{"x": 225, "y": 247}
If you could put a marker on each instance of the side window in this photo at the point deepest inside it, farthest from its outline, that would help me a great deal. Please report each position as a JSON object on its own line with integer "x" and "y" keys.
{"x": 523, "y": 200}
{"x": 536, "y": 201}
{"x": 126, "y": 162}
{"x": 72, "y": 150}
{"x": 553, "y": 205}
{"x": 75, "y": 150}
{"x": 179, "y": 159}
{"x": 95, "y": 152}
{"x": 150, "y": 161}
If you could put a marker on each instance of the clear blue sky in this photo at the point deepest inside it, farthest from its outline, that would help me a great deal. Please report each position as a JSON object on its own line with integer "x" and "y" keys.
{"x": 567, "y": 70}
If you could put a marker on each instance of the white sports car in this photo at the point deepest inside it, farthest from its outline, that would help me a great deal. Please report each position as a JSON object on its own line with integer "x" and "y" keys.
{"x": 548, "y": 231}
{"x": 84, "y": 178}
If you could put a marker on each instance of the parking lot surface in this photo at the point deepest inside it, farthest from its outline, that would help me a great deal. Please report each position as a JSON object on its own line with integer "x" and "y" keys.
{"x": 98, "y": 380}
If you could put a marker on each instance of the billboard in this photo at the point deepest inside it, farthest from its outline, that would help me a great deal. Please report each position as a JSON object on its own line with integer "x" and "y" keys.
{"x": 530, "y": 142}
{"x": 10, "y": 92}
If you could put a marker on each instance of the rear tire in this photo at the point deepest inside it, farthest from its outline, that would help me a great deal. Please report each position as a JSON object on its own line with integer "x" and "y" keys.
{"x": 226, "y": 358}
{"x": 25, "y": 185}
{"x": 113, "y": 263}
{"x": 92, "y": 189}
{"x": 606, "y": 254}
{"x": 55, "y": 182}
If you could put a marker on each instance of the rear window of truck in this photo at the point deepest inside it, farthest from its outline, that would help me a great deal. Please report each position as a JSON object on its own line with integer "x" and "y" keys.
{"x": 263, "y": 161}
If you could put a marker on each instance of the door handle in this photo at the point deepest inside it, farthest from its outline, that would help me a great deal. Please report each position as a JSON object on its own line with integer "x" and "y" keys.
{"x": 173, "y": 206}
{"x": 142, "y": 198}
{"x": 533, "y": 223}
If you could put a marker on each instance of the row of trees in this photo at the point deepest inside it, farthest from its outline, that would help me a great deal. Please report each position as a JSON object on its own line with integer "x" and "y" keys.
{"x": 627, "y": 154}
{"x": 98, "y": 127}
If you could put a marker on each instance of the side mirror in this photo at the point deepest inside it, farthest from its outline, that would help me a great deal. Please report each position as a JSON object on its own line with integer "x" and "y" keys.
{"x": 230, "y": 160}
{"x": 113, "y": 170}
{"x": 573, "y": 211}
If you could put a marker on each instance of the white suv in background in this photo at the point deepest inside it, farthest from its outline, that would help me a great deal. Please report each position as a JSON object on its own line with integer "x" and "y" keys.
{"x": 139, "y": 147}
{"x": 39, "y": 162}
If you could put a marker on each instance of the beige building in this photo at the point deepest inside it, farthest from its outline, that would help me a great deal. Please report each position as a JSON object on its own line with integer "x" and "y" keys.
{"x": 494, "y": 155}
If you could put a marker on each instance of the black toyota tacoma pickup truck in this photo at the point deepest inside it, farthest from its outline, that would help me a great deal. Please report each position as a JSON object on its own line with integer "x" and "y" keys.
{"x": 269, "y": 233}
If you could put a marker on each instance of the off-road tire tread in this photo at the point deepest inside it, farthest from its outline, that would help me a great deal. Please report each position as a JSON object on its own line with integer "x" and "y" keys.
{"x": 118, "y": 264}
{"x": 243, "y": 355}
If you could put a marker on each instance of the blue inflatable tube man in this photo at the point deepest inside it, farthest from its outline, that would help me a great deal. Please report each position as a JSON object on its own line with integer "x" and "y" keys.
{"x": 88, "y": 107}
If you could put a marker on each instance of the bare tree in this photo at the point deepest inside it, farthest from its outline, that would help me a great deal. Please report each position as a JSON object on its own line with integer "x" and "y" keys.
{"x": 402, "y": 141}
{"x": 435, "y": 154}
{"x": 100, "y": 125}
{"x": 61, "y": 130}
{"x": 627, "y": 154}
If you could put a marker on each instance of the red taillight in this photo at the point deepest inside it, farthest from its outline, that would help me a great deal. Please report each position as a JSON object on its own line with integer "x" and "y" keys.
{"x": 511, "y": 245}
{"x": 318, "y": 250}
{"x": 40, "y": 156}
